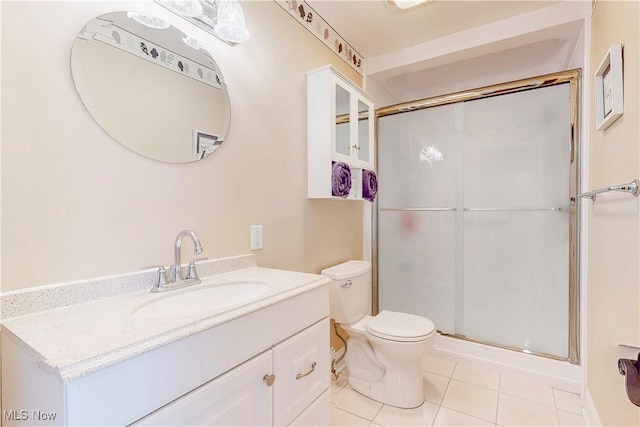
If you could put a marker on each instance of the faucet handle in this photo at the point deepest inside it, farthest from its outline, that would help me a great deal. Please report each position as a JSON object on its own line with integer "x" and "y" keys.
{"x": 191, "y": 271}
{"x": 162, "y": 274}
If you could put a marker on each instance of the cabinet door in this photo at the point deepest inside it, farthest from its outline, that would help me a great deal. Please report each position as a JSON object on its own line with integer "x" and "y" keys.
{"x": 343, "y": 131}
{"x": 318, "y": 414}
{"x": 364, "y": 146}
{"x": 238, "y": 398}
{"x": 301, "y": 365}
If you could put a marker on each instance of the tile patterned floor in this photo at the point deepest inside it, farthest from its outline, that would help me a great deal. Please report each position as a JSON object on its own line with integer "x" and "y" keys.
{"x": 461, "y": 394}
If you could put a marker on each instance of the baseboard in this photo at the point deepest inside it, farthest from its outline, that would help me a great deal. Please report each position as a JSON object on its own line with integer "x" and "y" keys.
{"x": 557, "y": 374}
{"x": 589, "y": 411}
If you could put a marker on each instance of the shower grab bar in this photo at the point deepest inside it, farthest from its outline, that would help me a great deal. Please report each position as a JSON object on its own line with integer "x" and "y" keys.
{"x": 417, "y": 209}
{"x": 558, "y": 209}
{"x": 631, "y": 187}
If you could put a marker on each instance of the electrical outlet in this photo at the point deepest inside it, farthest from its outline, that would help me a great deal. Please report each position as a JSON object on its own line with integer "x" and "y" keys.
{"x": 257, "y": 237}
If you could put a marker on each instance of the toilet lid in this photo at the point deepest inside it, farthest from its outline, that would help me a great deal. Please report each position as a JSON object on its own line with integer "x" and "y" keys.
{"x": 401, "y": 326}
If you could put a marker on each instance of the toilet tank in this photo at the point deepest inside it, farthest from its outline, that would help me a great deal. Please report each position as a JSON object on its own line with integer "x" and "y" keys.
{"x": 349, "y": 291}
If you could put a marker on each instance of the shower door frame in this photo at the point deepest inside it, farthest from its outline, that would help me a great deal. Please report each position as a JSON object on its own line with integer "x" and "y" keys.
{"x": 573, "y": 78}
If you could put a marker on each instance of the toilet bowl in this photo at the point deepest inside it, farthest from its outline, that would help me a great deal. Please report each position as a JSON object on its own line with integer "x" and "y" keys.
{"x": 383, "y": 351}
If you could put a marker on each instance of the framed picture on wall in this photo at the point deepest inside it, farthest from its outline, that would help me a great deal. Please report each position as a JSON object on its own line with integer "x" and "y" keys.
{"x": 609, "y": 88}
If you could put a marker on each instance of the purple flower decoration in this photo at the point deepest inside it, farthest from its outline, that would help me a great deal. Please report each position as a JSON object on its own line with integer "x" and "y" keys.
{"x": 340, "y": 179}
{"x": 369, "y": 185}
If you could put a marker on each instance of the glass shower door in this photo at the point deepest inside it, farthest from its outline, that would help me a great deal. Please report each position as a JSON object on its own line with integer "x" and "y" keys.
{"x": 516, "y": 220}
{"x": 417, "y": 219}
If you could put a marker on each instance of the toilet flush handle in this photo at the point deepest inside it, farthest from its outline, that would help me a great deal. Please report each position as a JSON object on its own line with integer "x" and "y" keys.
{"x": 346, "y": 284}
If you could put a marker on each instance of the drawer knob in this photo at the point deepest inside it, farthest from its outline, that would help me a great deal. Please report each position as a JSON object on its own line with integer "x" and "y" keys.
{"x": 269, "y": 379}
{"x": 304, "y": 374}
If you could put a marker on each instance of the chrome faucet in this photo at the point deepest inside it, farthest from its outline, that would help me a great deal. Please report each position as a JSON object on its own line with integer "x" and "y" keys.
{"x": 176, "y": 271}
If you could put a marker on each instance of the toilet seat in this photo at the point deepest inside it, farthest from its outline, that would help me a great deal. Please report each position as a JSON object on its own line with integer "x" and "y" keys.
{"x": 404, "y": 327}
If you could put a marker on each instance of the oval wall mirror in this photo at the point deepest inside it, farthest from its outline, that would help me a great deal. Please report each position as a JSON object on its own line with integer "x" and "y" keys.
{"x": 154, "y": 90}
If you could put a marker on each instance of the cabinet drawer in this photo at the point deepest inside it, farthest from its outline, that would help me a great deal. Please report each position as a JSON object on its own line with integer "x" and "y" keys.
{"x": 316, "y": 415}
{"x": 301, "y": 364}
{"x": 238, "y": 398}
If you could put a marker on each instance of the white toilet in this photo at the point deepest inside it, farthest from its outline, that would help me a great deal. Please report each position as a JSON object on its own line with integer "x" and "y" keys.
{"x": 384, "y": 351}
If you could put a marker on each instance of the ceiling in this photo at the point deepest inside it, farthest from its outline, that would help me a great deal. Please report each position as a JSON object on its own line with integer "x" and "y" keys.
{"x": 383, "y": 34}
{"x": 376, "y": 27}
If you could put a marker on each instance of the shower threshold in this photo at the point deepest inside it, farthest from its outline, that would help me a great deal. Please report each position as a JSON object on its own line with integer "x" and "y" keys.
{"x": 507, "y": 347}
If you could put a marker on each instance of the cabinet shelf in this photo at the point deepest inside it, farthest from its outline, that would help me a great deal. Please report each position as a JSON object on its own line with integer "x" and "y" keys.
{"x": 340, "y": 128}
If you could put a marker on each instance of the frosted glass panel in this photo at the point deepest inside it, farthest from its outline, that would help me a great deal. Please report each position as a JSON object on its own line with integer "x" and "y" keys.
{"x": 517, "y": 148}
{"x": 516, "y": 277}
{"x": 417, "y": 249}
{"x": 417, "y": 274}
{"x": 516, "y": 263}
{"x": 411, "y": 173}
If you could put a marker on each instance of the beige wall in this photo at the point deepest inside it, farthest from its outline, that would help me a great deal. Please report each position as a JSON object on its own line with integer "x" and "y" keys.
{"x": 613, "y": 277}
{"x": 76, "y": 204}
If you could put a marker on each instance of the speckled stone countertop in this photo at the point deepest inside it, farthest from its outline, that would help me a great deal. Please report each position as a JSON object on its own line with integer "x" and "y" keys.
{"x": 76, "y": 340}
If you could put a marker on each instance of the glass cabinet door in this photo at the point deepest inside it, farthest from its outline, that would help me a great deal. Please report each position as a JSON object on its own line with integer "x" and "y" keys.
{"x": 343, "y": 122}
{"x": 363, "y": 146}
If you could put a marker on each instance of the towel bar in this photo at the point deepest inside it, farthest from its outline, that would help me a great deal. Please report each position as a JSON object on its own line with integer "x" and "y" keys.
{"x": 631, "y": 187}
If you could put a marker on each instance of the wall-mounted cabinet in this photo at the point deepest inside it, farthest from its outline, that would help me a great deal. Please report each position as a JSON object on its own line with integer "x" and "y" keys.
{"x": 340, "y": 128}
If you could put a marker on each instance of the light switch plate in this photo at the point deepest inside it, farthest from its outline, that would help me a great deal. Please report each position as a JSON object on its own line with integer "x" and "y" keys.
{"x": 257, "y": 237}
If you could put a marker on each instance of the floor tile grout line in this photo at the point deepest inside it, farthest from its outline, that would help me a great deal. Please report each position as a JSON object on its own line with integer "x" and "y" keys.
{"x": 498, "y": 405}
{"x": 529, "y": 400}
{"x": 445, "y": 391}
{"x": 380, "y": 409}
{"x": 555, "y": 404}
{"x": 351, "y": 413}
{"x": 475, "y": 384}
{"x": 470, "y": 415}
{"x": 443, "y": 394}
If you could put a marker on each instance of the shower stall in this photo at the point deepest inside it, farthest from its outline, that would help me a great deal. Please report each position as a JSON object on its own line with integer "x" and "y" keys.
{"x": 476, "y": 216}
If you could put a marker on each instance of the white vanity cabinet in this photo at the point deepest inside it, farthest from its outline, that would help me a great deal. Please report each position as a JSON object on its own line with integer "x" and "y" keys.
{"x": 213, "y": 377}
{"x": 246, "y": 395}
{"x": 340, "y": 128}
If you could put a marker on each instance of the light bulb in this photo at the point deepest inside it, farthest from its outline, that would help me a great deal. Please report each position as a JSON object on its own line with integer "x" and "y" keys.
{"x": 148, "y": 20}
{"x": 190, "y": 8}
{"x": 230, "y": 24}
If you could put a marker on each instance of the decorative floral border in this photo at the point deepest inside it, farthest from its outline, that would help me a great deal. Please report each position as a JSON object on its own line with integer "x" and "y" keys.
{"x": 312, "y": 21}
{"x": 107, "y": 32}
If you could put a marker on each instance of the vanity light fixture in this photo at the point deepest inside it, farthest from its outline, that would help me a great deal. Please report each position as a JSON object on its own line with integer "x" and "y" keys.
{"x": 190, "y": 8}
{"x": 221, "y": 18}
{"x": 230, "y": 24}
{"x": 149, "y": 21}
{"x": 407, "y": 4}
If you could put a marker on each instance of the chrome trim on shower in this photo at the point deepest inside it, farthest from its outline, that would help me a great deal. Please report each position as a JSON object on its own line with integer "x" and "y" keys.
{"x": 572, "y": 77}
{"x": 483, "y": 92}
{"x": 558, "y": 209}
{"x": 417, "y": 209}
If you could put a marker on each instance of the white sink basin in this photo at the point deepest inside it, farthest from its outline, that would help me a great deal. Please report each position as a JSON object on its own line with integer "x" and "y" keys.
{"x": 202, "y": 300}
